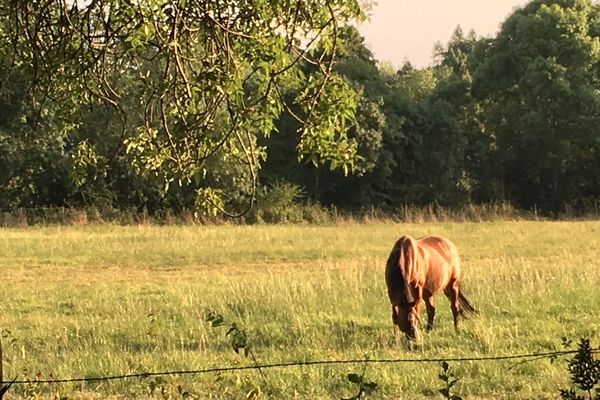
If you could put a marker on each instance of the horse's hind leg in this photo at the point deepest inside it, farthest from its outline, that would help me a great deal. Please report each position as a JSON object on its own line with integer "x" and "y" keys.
{"x": 453, "y": 294}
{"x": 430, "y": 311}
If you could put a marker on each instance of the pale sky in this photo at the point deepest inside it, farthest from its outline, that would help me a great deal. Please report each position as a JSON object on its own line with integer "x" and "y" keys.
{"x": 407, "y": 29}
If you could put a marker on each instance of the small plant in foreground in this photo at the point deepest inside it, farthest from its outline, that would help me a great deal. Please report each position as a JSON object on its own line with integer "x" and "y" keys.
{"x": 585, "y": 373}
{"x": 450, "y": 380}
{"x": 237, "y": 337}
{"x": 238, "y": 340}
{"x": 168, "y": 390}
{"x": 364, "y": 387}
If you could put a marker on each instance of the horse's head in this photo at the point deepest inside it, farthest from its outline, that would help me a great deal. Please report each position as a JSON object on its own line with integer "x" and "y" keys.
{"x": 400, "y": 265}
{"x": 407, "y": 319}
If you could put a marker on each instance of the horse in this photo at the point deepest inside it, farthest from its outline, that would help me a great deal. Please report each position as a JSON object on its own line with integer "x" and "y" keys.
{"x": 418, "y": 270}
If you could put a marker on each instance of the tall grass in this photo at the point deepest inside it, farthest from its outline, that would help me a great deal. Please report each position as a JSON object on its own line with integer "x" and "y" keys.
{"x": 272, "y": 207}
{"x": 104, "y": 299}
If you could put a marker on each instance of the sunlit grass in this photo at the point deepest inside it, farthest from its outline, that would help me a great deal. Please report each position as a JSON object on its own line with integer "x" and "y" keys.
{"x": 105, "y": 300}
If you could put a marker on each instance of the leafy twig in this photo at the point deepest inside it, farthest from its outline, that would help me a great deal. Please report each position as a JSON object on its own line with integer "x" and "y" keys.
{"x": 238, "y": 340}
{"x": 584, "y": 370}
{"x": 450, "y": 380}
{"x": 364, "y": 387}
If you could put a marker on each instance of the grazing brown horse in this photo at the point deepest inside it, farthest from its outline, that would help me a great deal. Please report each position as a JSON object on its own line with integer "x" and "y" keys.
{"x": 420, "y": 269}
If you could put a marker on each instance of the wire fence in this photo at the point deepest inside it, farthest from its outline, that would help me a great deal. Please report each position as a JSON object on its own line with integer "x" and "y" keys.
{"x": 521, "y": 357}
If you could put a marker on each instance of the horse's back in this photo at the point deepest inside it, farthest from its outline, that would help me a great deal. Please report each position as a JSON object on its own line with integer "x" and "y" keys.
{"x": 443, "y": 262}
{"x": 442, "y": 246}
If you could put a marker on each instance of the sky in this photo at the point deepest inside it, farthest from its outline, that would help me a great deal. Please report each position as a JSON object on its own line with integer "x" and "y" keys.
{"x": 401, "y": 30}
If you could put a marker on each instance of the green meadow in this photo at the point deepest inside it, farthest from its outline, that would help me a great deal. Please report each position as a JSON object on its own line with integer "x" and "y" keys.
{"x": 104, "y": 300}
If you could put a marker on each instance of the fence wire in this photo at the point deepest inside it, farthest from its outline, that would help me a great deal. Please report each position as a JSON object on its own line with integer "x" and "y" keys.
{"x": 141, "y": 375}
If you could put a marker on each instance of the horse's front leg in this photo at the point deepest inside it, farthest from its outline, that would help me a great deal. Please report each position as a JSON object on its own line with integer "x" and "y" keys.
{"x": 415, "y": 312}
{"x": 430, "y": 311}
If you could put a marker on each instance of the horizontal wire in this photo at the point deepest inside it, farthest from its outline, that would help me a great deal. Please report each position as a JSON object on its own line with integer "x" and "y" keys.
{"x": 534, "y": 356}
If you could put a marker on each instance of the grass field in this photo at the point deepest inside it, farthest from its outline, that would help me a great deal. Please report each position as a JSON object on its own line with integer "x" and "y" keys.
{"x": 104, "y": 300}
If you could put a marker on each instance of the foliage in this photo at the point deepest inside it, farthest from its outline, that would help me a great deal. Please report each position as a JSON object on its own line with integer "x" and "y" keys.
{"x": 183, "y": 106}
{"x": 538, "y": 84}
{"x": 277, "y": 203}
{"x": 450, "y": 380}
{"x": 238, "y": 340}
{"x": 570, "y": 394}
{"x": 186, "y": 80}
{"x": 365, "y": 387}
{"x": 237, "y": 337}
{"x": 439, "y": 144}
{"x": 584, "y": 369}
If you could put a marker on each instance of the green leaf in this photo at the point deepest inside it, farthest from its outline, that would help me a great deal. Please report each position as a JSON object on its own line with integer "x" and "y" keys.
{"x": 354, "y": 378}
{"x": 370, "y": 387}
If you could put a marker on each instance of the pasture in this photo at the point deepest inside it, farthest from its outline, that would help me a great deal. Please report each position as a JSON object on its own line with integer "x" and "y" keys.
{"x": 107, "y": 300}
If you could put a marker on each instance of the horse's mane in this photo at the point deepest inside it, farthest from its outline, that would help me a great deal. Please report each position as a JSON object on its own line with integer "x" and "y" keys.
{"x": 396, "y": 268}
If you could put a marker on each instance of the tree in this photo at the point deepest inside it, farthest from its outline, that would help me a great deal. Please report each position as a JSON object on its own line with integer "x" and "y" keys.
{"x": 356, "y": 64}
{"x": 538, "y": 86}
{"x": 474, "y": 144}
{"x": 191, "y": 81}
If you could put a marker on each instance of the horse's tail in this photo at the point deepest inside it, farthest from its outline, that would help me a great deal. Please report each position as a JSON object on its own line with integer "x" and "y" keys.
{"x": 466, "y": 307}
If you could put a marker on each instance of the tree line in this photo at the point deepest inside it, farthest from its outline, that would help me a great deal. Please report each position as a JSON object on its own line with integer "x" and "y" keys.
{"x": 175, "y": 105}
